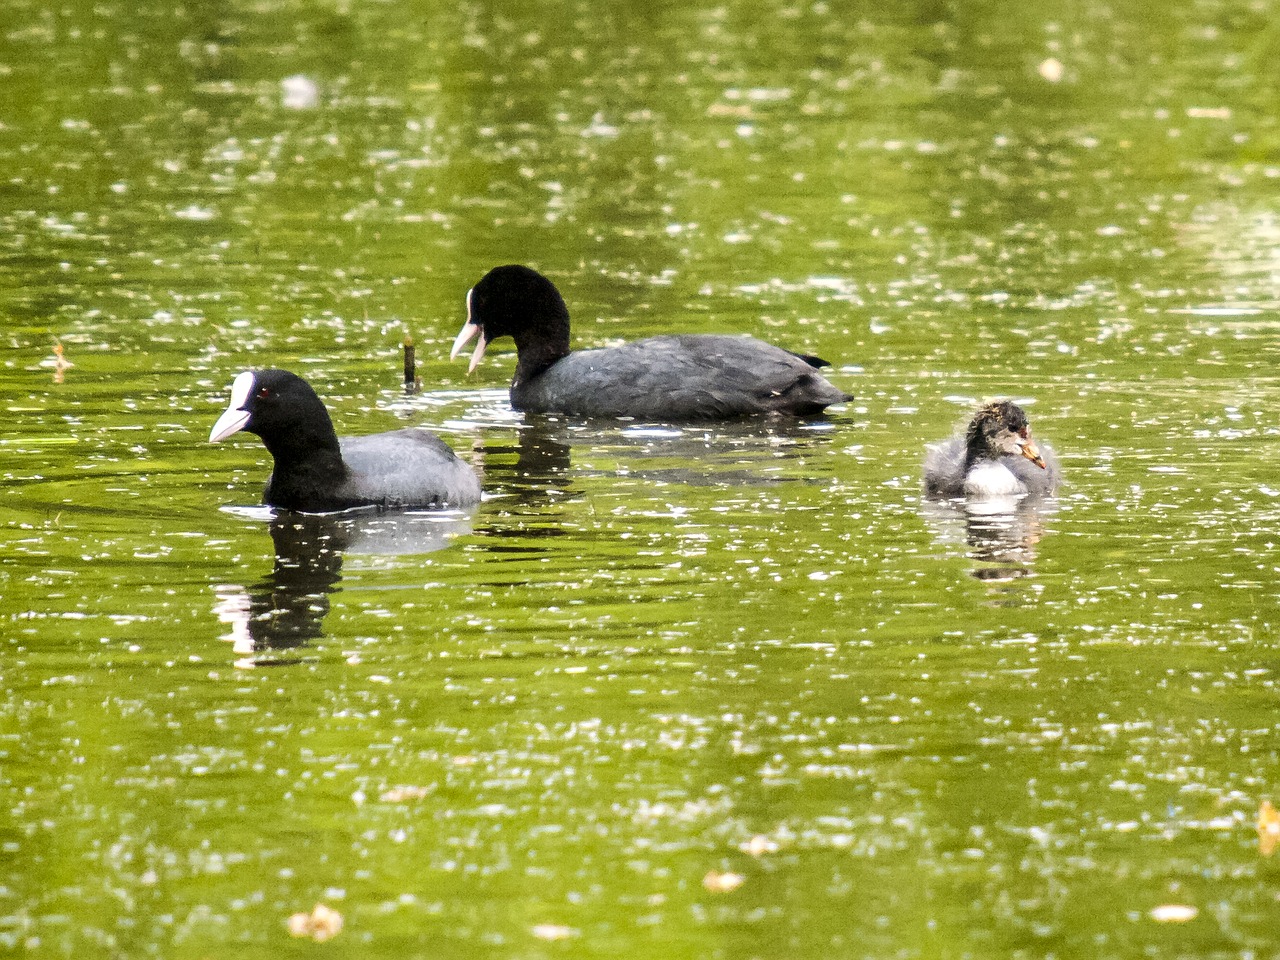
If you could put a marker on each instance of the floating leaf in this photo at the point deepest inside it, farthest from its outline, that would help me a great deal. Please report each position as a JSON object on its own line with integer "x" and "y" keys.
{"x": 1268, "y": 828}
{"x": 321, "y": 924}
{"x": 729, "y": 110}
{"x": 1209, "y": 113}
{"x": 59, "y": 362}
{"x": 401, "y": 794}
{"x": 759, "y": 845}
{"x": 718, "y": 882}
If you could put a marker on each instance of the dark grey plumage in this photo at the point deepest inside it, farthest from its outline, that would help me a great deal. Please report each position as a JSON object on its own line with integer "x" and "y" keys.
{"x": 315, "y": 472}
{"x": 995, "y": 457}
{"x": 686, "y": 377}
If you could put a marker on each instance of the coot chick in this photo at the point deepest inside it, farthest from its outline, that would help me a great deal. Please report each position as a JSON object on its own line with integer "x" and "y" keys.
{"x": 996, "y": 457}
{"x": 315, "y": 472}
{"x": 667, "y": 378}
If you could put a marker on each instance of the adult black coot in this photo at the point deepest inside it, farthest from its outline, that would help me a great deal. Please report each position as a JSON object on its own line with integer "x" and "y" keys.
{"x": 667, "y": 378}
{"x": 995, "y": 457}
{"x": 315, "y": 472}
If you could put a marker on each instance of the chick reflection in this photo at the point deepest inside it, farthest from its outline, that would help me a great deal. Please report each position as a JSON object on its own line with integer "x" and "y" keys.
{"x": 286, "y": 609}
{"x": 1001, "y": 534}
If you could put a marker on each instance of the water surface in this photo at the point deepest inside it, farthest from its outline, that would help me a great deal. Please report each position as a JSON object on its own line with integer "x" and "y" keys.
{"x": 725, "y": 691}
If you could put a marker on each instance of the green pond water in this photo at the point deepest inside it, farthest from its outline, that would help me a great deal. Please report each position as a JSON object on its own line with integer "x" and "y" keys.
{"x": 729, "y": 691}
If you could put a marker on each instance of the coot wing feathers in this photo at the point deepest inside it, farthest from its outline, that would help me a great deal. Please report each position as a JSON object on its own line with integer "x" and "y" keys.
{"x": 1038, "y": 481}
{"x": 944, "y": 468}
{"x": 410, "y": 467}
{"x": 684, "y": 377}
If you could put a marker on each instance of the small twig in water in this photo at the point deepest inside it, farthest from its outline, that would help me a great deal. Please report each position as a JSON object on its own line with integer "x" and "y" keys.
{"x": 411, "y": 381}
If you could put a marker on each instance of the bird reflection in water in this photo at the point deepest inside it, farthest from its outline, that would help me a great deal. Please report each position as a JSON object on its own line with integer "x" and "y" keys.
{"x": 528, "y": 475}
{"x": 1001, "y": 534}
{"x": 530, "y": 468}
{"x": 286, "y": 609}
{"x": 737, "y": 453}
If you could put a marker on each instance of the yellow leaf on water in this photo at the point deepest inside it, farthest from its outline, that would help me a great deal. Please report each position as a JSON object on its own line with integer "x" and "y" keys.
{"x": 718, "y": 882}
{"x": 759, "y": 845}
{"x": 321, "y": 924}
{"x": 729, "y": 110}
{"x": 59, "y": 362}
{"x": 1268, "y": 828}
{"x": 401, "y": 794}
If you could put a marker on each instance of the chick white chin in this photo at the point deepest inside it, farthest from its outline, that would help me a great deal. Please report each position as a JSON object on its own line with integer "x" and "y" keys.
{"x": 992, "y": 480}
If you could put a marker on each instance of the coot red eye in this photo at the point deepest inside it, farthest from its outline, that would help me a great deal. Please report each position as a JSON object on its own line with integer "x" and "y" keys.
{"x": 263, "y": 393}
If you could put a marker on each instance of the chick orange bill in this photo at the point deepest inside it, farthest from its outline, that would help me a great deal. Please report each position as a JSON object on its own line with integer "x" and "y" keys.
{"x": 469, "y": 330}
{"x": 1032, "y": 453}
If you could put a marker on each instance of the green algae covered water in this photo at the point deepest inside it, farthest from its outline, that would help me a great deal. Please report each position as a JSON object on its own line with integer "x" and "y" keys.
{"x": 723, "y": 691}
